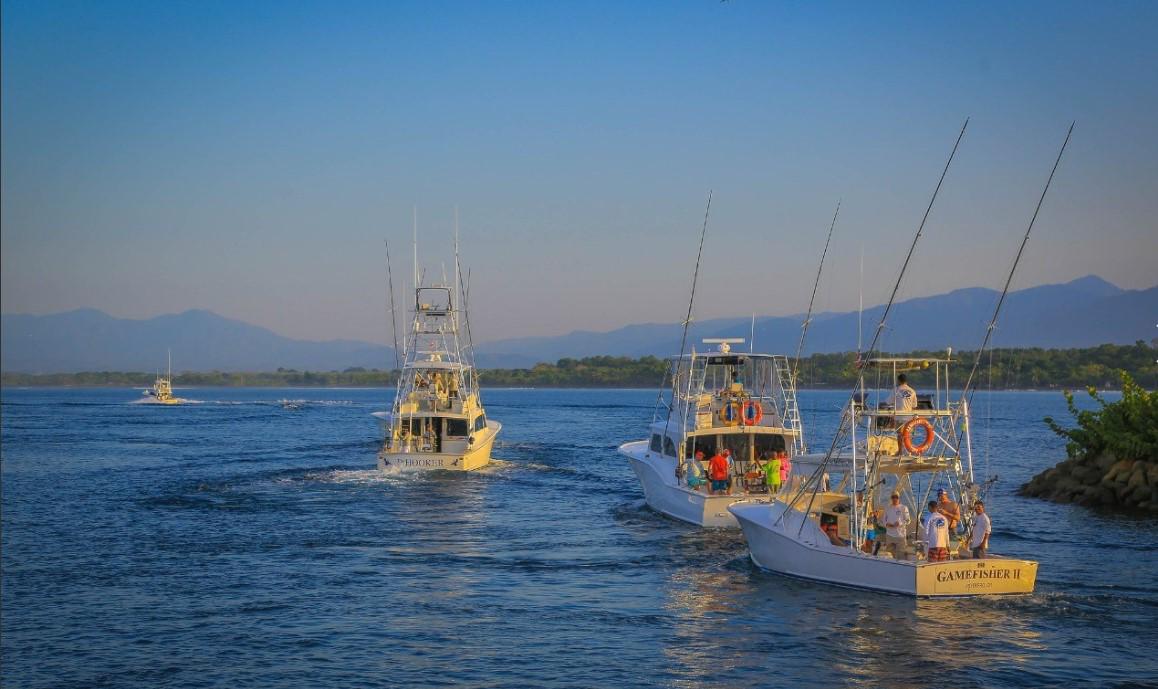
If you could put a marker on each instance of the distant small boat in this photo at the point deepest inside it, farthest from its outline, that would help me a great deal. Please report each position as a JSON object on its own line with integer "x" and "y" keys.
{"x": 162, "y": 390}
{"x": 293, "y": 405}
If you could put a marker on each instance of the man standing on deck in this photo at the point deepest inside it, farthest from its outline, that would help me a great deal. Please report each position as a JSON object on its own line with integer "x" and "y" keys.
{"x": 718, "y": 473}
{"x": 949, "y": 509}
{"x": 936, "y": 534}
{"x": 772, "y": 473}
{"x": 981, "y": 530}
{"x": 897, "y": 520}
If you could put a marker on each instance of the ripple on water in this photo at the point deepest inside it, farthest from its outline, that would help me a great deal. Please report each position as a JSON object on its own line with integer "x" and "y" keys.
{"x": 235, "y": 543}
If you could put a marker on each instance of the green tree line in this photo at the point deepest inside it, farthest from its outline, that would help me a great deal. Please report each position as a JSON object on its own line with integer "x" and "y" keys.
{"x": 1001, "y": 369}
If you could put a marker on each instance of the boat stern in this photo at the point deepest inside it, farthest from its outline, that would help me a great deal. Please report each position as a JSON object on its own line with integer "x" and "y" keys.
{"x": 980, "y": 577}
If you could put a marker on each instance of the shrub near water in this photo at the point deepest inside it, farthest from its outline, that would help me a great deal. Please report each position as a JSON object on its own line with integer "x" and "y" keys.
{"x": 1113, "y": 454}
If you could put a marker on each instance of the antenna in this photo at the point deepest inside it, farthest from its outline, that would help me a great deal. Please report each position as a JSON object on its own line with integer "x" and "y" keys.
{"x": 812, "y": 300}
{"x": 416, "y": 283}
{"x": 993, "y": 322}
{"x": 456, "y": 280}
{"x": 393, "y": 311}
{"x": 170, "y": 353}
{"x": 860, "y": 307}
{"x": 752, "y": 335}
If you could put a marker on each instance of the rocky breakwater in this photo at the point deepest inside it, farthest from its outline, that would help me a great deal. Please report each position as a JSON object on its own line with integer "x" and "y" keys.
{"x": 1113, "y": 455}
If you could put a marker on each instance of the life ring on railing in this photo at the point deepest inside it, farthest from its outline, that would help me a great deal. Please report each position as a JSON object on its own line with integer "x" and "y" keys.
{"x": 907, "y": 436}
{"x": 752, "y": 413}
{"x": 730, "y": 413}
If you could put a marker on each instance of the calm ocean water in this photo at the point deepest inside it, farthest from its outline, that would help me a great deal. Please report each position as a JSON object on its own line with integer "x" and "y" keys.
{"x": 234, "y": 543}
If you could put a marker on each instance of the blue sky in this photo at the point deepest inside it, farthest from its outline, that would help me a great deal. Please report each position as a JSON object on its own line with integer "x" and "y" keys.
{"x": 251, "y": 158}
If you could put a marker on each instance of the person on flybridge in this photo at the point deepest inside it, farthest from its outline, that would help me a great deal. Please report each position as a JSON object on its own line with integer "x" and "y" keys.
{"x": 903, "y": 399}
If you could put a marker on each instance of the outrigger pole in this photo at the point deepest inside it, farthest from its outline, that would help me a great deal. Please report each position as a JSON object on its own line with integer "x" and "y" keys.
{"x": 812, "y": 300}
{"x": 967, "y": 390}
{"x": 913, "y": 246}
{"x": 393, "y": 322}
{"x": 463, "y": 288}
{"x": 843, "y": 428}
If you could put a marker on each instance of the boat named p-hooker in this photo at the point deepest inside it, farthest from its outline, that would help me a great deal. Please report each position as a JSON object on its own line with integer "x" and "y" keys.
{"x": 740, "y": 406}
{"x": 437, "y": 420}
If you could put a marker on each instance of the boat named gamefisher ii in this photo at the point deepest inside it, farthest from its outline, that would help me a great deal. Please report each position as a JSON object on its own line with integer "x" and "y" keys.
{"x": 720, "y": 401}
{"x": 914, "y": 454}
{"x": 437, "y": 420}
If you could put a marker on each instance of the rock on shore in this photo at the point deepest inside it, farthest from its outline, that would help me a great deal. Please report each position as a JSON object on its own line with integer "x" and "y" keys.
{"x": 1103, "y": 481}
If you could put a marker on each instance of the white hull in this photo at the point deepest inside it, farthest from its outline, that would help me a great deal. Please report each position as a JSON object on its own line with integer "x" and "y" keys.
{"x": 786, "y": 548}
{"x": 663, "y": 494}
{"x": 476, "y": 458}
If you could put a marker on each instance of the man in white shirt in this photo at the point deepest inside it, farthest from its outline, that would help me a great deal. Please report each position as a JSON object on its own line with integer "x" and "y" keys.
{"x": 904, "y": 399}
{"x": 936, "y": 534}
{"x": 981, "y": 530}
{"x": 897, "y": 520}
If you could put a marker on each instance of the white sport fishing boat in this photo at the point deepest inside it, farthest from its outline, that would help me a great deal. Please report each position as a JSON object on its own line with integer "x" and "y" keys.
{"x": 722, "y": 400}
{"x": 817, "y": 534}
{"x": 900, "y": 446}
{"x": 438, "y": 420}
{"x": 162, "y": 390}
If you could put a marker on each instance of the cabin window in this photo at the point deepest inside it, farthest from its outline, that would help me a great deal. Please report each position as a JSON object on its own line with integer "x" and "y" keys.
{"x": 480, "y": 422}
{"x": 456, "y": 428}
{"x": 669, "y": 447}
{"x": 656, "y": 444}
{"x": 702, "y": 443}
{"x": 767, "y": 442}
{"x": 741, "y": 447}
{"x": 738, "y": 443}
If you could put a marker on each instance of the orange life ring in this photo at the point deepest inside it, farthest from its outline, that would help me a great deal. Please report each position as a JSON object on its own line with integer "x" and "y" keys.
{"x": 907, "y": 436}
{"x": 752, "y": 413}
{"x": 730, "y": 413}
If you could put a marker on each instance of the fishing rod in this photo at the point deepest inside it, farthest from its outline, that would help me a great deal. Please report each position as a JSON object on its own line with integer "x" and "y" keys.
{"x": 967, "y": 390}
{"x": 812, "y": 300}
{"x": 393, "y": 309}
{"x": 691, "y": 303}
{"x": 846, "y": 419}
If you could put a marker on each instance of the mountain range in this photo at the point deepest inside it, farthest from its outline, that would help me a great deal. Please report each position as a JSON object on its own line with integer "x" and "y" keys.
{"x": 1083, "y": 313}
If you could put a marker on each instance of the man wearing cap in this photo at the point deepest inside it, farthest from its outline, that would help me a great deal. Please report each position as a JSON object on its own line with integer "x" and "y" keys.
{"x": 936, "y": 534}
{"x": 949, "y": 509}
{"x": 897, "y": 520}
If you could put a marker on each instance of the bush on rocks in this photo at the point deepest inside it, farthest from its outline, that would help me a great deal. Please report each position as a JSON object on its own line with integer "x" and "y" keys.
{"x": 1112, "y": 454}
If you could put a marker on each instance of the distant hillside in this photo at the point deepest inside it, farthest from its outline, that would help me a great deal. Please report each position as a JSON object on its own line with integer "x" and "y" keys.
{"x": 90, "y": 340}
{"x": 1081, "y": 313}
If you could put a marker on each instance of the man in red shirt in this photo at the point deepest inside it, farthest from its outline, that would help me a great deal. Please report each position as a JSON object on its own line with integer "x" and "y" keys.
{"x": 718, "y": 473}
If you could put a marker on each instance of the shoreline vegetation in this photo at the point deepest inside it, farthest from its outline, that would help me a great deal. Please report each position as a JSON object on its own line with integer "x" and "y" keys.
{"x": 1002, "y": 369}
{"x": 1112, "y": 454}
